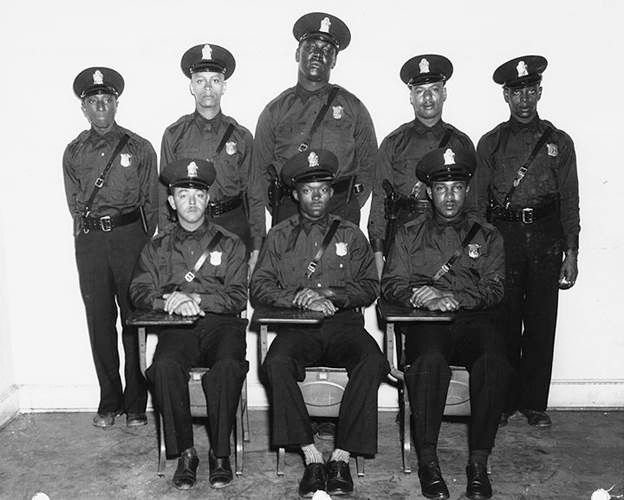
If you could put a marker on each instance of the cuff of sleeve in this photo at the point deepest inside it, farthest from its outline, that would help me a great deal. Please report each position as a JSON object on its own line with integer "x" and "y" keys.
{"x": 572, "y": 242}
{"x": 158, "y": 304}
{"x": 339, "y": 298}
{"x": 256, "y": 242}
{"x": 377, "y": 244}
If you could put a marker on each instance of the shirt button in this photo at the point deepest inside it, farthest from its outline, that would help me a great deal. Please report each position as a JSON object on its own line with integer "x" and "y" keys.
{"x": 318, "y": 285}
{"x": 102, "y": 153}
{"x": 341, "y": 266}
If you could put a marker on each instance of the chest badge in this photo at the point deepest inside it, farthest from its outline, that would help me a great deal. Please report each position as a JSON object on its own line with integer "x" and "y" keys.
{"x": 341, "y": 248}
{"x": 474, "y": 250}
{"x": 337, "y": 112}
{"x": 552, "y": 149}
{"x": 125, "y": 159}
{"x": 230, "y": 148}
{"x": 215, "y": 258}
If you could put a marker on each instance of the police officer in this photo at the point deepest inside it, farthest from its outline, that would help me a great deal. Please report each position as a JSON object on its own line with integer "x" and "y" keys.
{"x": 314, "y": 114}
{"x": 291, "y": 274}
{"x": 111, "y": 181}
{"x": 216, "y": 293}
{"x": 209, "y": 134}
{"x": 526, "y": 176}
{"x": 449, "y": 261}
{"x": 426, "y": 76}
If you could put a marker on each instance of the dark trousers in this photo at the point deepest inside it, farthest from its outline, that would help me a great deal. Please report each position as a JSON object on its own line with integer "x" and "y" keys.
{"x": 533, "y": 255}
{"x": 471, "y": 341}
{"x": 235, "y": 221}
{"x": 216, "y": 342}
{"x": 105, "y": 262}
{"x": 341, "y": 342}
{"x": 337, "y": 205}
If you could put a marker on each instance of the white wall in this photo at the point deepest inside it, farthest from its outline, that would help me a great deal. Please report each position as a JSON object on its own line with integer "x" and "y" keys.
{"x": 45, "y": 44}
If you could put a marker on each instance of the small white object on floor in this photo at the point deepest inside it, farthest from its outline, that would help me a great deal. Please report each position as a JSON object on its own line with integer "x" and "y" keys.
{"x": 320, "y": 495}
{"x": 601, "y": 494}
{"x": 40, "y": 495}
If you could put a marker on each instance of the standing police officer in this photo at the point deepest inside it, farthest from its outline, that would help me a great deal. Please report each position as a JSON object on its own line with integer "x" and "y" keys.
{"x": 317, "y": 261}
{"x": 450, "y": 261}
{"x": 209, "y": 134}
{"x": 426, "y": 76}
{"x": 314, "y": 114}
{"x": 111, "y": 186}
{"x": 526, "y": 177}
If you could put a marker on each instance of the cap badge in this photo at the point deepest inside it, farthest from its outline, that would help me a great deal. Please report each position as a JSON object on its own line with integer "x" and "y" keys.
{"x": 341, "y": 248}
{"x": 553, "y": 150}
{"x": 522, "y": 69}
{"x": 313, "y": 160}
{"x": 215, "y": 258}
{"x": 474, "y": 250}
{"x": 423, "y": 65}
{"x": 98, "y": 77}
{"x": 191, "y": 169}
{"x": 207, "y": 52}
{"x": 230, "y": 147}
{"x": 337, "y": 111}
{"x": 325, "y": 24}
{"x": 449, "y": 157}
{"x": 125, "y": 159}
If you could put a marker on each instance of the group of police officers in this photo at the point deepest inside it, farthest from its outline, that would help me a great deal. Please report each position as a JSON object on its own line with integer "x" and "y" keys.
{"x": 490, "y": 236}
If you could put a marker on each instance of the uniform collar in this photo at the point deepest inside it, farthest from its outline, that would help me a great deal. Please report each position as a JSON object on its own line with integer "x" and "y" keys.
{"x": 212, "y": 124}
{"x": 306, "y": 224}
{"x": 112, "y": 136}
{"x": 183, "y": 235}
{"x": 420, "y": 128}
{"x": 533, "y": 125}
{"x": 442, "y": 223}
{"x": 304, "y": 94}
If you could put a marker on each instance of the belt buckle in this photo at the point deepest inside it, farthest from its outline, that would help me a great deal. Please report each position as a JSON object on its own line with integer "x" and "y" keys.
{"x": 188, "y": 277}
{"x": 105, "y": 223}
{"x": 527, "y": 216}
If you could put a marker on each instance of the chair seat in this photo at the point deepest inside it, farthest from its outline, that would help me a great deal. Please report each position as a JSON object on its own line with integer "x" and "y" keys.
{"x": 458, "y": 396}
{"x": 322, "y": 390}
{"x": 196, "y": 392}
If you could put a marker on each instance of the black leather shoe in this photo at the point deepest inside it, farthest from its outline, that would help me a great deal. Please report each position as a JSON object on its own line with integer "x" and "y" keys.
{"x": 185, "y": 475}
{"x": 504, "y": 419}
{"x": 220, "y": 471}
{"x": 432, "y": 484}
{"x": 314, "y": 478}
{"x": 479, "y": 486}
{"x": 136, "y": 419}
{"x": 537, "y": 418}
{"x": 339, "y": 480}
{"x": 105, "y": 419}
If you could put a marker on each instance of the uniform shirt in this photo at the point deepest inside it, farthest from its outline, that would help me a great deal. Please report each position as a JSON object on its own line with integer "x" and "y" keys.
{"x": 346, "y": 130}
{"x": 347, "y": 267}
{"x": 195, "y": 137}
{"x": 396, "y": 161}
{"x": 552, "y": 173}
{"x": 221, "y": 282}
{"x": 132, "y": 181}
{"x": 423, "y": 245}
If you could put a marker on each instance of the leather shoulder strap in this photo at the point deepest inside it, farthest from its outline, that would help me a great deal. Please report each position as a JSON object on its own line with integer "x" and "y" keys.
{"x": 190, "y": 276}
{"x": 326, "y": 239}
{"x": 226, "y": 136}
{"x": 457, "y": 253}
{"x": 319, "y": 118}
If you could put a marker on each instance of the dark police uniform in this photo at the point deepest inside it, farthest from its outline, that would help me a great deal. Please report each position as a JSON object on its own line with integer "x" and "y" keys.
{"x": 541, "y": 222}
{"x": 216, "y": 340}
{"x": 346, "y": 130}
{"x": 108, "y": 241}
{"x": 193, "y": 136}
{"x": 347, "y": 268}
{"x": 403, "y": 148}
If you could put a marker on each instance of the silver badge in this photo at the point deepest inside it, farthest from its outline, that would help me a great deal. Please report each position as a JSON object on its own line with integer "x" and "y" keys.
{"x": 313, "y": 160}
{"x": 449, "y": 157}
{"x": 474, "y": 250}
{"x": 98, "y": 77}
{"x": 341, "y": 248}
{"x": 325, "y": 24}
{"x": 337, "y": 110}
{"x": 423, "y": 65}
{"x": 125, "y": 159}
{"x": 215, "y": 258}
{"x": 230, "y": 148}
{"x": 207, "y": 52}
{"x": 552, "y": 149}
{"x": 191, "y": 169}
{"x": 522, "y": 69}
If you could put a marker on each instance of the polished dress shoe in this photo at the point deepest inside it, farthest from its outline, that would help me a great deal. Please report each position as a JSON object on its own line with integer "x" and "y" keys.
{"x": 537, "y": 418}
{"x": 339, "y": 480}
{"x": 432, "y": 484}
{"x": 136, "y": 419}
{"x": 314, "y": 478}
{"x": 220, "y": 471}
{"x": 105, "y": 419}
{"x": 186, "y": 474}
{"x": 479, "y": 486}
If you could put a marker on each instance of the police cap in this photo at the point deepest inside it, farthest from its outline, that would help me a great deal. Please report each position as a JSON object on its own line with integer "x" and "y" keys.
{"x": 520, "y": 72}
{"x": 446, "y": 164}
{"x": 199, "y": 174}
{"x": 208, "y": 57}
{"x": 98, "y": 80}
{"x": 323, "y": 26}
{"x": 426, "y": 68}
{"x": 310, "y": 166}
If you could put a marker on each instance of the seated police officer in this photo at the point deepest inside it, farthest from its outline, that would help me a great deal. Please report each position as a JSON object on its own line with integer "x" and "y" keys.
{"x": 450, "y": 261}
{"x": 196, "y": 269}
{"x": 319, "y": 262}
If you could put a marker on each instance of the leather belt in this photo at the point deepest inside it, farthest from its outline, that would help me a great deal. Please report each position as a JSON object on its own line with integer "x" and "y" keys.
{"x": 413, "y": 205}
{"x": 108, "y": 223}
{"x": 341, "y": 185}
{"x": 217, "y": 208}
{"x": 527, "y": 215}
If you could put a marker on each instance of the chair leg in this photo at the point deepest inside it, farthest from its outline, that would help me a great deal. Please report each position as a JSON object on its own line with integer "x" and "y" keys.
{"x": 360, "y": 463}
{"x": 246, "y": 427}
{"x": 407, "y": 432}
{"x": 238, "y": 439}
{"x": 162, "y": 453}
{"x": 281, "y": 454}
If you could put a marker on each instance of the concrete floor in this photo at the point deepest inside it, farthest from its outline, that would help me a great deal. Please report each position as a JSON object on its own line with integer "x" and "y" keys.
{"x": 62, "y": 455}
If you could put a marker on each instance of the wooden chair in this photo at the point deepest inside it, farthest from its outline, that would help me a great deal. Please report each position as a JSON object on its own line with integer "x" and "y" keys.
{"x": 323, "y": 386}
{"x": 152, "y": 321}
{"x": 458, "y": 396}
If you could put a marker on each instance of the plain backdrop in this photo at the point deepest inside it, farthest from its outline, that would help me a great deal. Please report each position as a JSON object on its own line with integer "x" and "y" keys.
{"x": 45, "y": 360}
